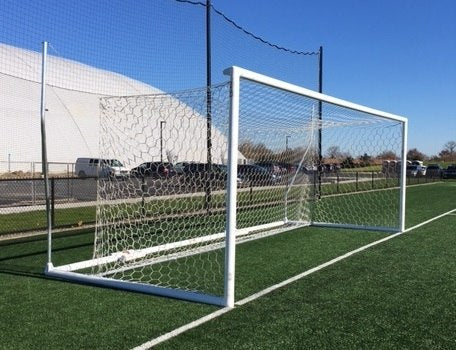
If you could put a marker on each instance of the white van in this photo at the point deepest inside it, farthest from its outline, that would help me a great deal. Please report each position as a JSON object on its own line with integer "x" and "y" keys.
{"x": 99, "y": 168}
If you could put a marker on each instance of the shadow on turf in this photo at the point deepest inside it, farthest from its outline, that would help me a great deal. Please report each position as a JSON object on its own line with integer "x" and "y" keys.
{"x": 18, "y": 258}
{"x": 24, "y": 271}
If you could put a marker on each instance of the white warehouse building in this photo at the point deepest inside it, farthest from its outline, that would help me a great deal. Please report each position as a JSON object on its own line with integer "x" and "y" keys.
{"x": 73, "y": 115}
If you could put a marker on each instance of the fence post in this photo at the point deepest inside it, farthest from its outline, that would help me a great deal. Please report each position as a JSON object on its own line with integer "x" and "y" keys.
{"x": 357, "y": 176}
{"x": 143, "y": 189}
{"x": 68, "y": 189}
{"x": 52, "y": 202}
{"x": 251, "y": 193}
{"x": 372, "y": 179}
{"x": 337, "y": 182}
{"x": 32, "y": 180}
{"x": 315, "y": 184}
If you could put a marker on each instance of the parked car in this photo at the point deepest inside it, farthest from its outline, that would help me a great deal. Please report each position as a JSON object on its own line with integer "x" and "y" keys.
{"x": 417, "y": 162}
{"x": 88, "y": 167}
{"x": 450, "y": 172}
{"x": 412, "y": 170}
{"x": 434, "y": 170}
{"x": 180, "y": 167}
{"x": 256, "y": 175}
{"x": 422, "y": 169}
{"x": 390, "y": 166}
{"x": 273, "y": 168}
{"x": 416, "y": 170}
{"x": 154, "y": 169}
{"x": 196, "y": 174}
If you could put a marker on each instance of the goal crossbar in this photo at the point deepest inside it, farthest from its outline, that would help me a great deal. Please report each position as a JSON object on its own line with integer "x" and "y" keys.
{"x": 241, "y": 73}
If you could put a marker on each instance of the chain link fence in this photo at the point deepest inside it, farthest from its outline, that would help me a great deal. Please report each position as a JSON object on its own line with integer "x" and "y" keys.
{"x": 23, "y": 208}
{"x": 73, "y": 200}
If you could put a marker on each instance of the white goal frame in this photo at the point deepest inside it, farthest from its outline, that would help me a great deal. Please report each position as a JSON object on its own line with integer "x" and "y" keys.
{"x": 232, "y": 234}
{"x": 236, "y": 74}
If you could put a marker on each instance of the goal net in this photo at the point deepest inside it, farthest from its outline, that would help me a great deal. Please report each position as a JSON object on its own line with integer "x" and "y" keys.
{"x": 258, "y": 158}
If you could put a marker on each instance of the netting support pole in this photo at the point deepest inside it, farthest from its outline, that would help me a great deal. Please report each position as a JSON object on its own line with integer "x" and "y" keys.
{"x": 230, "y": 238}
{"x": 320, "y": 116}
{"x": 403, "y": 180}
{"x": 44, "y": 150}
{"x": 208, "y": 106}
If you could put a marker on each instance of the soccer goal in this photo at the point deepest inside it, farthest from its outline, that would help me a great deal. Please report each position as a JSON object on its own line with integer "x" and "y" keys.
{"x": 274, "y": 157}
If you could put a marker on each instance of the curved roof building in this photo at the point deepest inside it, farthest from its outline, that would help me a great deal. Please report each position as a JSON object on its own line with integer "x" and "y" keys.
{"x": 171, "y": 130}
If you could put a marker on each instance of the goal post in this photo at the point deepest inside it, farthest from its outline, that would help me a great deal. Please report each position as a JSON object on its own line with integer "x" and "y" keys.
{"x": 154, "y": 233}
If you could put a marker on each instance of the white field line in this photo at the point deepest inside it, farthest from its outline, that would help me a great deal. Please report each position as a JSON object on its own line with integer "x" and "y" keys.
{"x": 211, "y": 316}
{"x": 182, "y": 329}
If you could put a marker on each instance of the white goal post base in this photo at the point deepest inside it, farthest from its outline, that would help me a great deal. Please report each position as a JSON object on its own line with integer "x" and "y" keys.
{"x": 356, "y": 227}
{"x": 52, "y": 271}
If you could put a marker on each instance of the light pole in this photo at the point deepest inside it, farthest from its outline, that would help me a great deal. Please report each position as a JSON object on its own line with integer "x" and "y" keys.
{"x": 286, "y": 142}
{"x": 208, "y": 105}
{"x": 161, "y": 140}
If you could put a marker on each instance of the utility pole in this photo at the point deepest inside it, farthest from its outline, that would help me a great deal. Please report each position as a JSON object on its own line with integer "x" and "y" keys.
{"x": 320, "y": 118}
{"x": 161, "y": 140}
{"x": 208, "y": 105}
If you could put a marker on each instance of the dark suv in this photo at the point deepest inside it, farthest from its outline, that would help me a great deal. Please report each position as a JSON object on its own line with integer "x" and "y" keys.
{"x": 196, "y": 174}
{"x": 434, "y": 171}
{"x": 450, "y": 172}
{"x": 256, "y": 175}
{"x": 153, "y": 169}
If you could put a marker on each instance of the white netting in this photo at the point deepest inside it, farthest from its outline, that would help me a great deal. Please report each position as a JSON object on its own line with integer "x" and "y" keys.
{"x": 156, "y": 221}
{"x": 162, "y": 222}
{"x": 281, "y": 130}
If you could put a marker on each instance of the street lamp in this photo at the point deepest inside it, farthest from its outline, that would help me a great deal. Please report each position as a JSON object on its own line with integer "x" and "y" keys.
{"x": 161, "y": 140}
{"x": 286, "y": 142}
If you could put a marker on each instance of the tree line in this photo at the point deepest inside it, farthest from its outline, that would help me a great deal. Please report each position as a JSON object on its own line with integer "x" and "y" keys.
{"x": 259, "y": 152}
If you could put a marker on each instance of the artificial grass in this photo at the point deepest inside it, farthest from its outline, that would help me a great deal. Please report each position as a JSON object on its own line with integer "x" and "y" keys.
{"x": 397, "y": 295}
{"x": 354, "y": 306}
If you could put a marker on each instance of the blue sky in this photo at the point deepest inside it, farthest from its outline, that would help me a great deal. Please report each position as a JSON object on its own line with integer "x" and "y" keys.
{"x": 394, "y": 55}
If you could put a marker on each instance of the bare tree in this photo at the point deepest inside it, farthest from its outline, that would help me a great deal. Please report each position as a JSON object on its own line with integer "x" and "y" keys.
{"x": 448, "y": 153}
{"x": 387, "y": 155}
{"x": 333, "y": 152}
{"x": 256, "y": 152}
{"x": 450, "y": 146}
{"x": 414, "y": 154}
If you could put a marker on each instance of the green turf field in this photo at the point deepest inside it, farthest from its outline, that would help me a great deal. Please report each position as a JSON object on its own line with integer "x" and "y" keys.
{"x": 399, "y": 294}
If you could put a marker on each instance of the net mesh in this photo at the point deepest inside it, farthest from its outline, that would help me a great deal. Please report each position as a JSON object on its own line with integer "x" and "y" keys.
{"x": 164, "y": 222}
{"x": 155, "y": 222}
{"x": 281, "y": 131}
